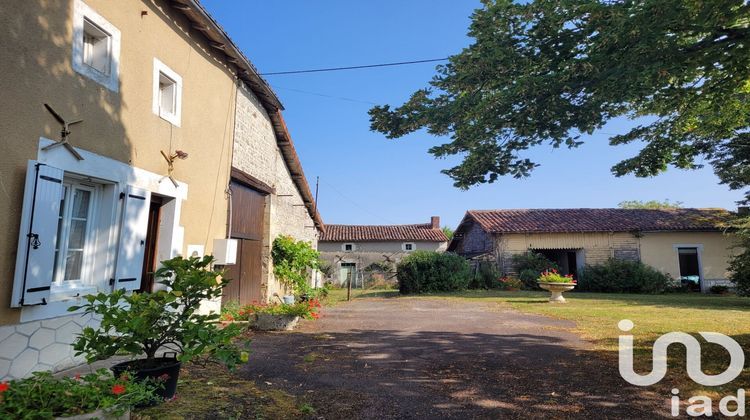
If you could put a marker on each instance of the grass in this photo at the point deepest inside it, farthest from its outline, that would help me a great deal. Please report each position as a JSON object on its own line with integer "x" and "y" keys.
{"x": 213, "y": 392}
{"x": 597, "y": 314}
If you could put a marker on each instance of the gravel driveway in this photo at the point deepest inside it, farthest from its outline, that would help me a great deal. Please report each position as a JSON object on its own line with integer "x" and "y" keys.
{"x": 439, "y": 358}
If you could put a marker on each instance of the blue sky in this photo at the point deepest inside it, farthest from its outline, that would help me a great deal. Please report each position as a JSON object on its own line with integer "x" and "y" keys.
{"x": 368, "y": 179}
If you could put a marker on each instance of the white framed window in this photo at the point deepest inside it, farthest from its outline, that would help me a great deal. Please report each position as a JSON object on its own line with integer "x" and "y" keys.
{"x": 167, "y": 95}
{"x": 96, "y": 46}
{"x": 75, "y": 239}
{"x": 348, "y": 247}
{"x": 408, "y": 246}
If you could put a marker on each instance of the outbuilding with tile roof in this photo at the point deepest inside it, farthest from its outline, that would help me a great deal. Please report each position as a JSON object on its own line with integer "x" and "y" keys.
{"x": 686, "y": 243}
{"x": 369, "y": 253}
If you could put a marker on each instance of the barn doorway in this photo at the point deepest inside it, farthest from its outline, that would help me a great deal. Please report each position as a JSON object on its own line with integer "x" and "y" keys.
{"x": 247, "y": 225}
{"x": 570, "y": 261}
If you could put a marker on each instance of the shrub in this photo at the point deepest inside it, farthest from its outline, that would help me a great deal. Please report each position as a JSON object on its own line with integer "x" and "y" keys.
{"x": 142, "y": 323}
{"x": 719, "y": 289}
{"x": 618, "y": 276}
{"x": 426, "y": 271}
{"x": 292, "y": 262}
{"x": 510, "y": 283}
{"x": 530, "y": 265}
{"x": 308, "y": 309}
{"x": 739, "y": 264}
{"x": 42, "y": 396}
{"x": 486, "y": 276}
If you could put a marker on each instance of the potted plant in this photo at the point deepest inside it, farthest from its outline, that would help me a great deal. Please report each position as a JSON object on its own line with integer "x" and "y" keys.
{"x": 99, "y": 395}
{"x": 142, "y": 324}
{"x": 275, "y": 317}
{"x": 556, "y": 283}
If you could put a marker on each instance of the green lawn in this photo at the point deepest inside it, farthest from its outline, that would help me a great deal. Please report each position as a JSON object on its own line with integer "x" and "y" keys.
{"x": 596, "y": 316}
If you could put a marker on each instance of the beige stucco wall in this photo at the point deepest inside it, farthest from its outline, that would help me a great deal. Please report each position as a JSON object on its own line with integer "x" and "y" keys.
{"x": 257, "y": 153}
{"x": 659, "y": 250}
{"x": 35, "y": 64}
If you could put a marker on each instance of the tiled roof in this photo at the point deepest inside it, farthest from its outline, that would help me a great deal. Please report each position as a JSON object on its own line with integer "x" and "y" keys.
{"x": 418, "y": 232}
{"x": 597, "y": 220}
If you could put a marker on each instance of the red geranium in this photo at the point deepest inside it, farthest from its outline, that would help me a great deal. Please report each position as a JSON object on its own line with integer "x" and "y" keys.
{"x": 118, "y": 389}
{"x": 4, "y": 387}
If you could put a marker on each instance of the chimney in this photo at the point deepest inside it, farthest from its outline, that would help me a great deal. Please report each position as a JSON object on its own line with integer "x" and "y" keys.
{"x": 435, "y": 221}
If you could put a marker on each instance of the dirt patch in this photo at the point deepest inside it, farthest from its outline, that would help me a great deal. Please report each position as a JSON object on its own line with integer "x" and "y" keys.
{"x": 419, "y": 358}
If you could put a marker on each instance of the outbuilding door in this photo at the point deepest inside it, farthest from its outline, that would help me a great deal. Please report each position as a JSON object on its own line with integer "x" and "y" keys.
{"x": 248, "y": 209}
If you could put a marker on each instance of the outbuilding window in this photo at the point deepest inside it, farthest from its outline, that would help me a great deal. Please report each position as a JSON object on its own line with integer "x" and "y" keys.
{"x": 348, "y": 247}
{"x": 408, "y": 246}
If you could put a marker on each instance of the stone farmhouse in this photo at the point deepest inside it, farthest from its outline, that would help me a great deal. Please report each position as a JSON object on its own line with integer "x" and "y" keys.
{"x": 353, "y": 249}
{"x": 687, "y": 244}
{"x": 181, "y": 146}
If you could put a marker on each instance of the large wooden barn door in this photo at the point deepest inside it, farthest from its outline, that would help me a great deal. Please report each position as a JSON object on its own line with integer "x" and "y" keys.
{"x": 248, "y": 209}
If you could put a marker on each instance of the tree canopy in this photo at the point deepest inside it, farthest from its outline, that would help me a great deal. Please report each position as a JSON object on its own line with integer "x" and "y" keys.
{"x": 651, "y": 204}
{"x": 548, "y": 71}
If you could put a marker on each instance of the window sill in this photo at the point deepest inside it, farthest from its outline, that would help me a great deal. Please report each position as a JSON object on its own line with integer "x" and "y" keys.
{"x": 62, "y": 295}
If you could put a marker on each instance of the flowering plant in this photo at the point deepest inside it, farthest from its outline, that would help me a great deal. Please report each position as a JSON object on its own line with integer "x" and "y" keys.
{"x": 552, "y": 276}
{"x": 510, "y": 283}
{"x": 308, "y": 309}
{"x": 42, "y": 396}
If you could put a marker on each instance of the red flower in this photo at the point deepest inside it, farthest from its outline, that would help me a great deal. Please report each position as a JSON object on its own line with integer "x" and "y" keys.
{"x": 118, "y": 389}
{"x": 78, "y": 377}
{"x": 315, "y": 315}
{"x": 4, "y": 387}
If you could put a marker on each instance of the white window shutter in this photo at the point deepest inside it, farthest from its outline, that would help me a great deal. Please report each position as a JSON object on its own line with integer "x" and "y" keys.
{"x": 132, "y": 245}
{"x": 35, "y": 261}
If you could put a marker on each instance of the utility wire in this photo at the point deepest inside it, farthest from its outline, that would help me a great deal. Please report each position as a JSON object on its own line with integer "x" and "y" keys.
{"x": 323, "y": 95}
{"x": 363, "y": 208}
{"x": 366, "y": 66}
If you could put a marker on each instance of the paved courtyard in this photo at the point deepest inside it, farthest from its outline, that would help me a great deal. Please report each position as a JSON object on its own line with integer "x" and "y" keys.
{"x": 437, "y": 358}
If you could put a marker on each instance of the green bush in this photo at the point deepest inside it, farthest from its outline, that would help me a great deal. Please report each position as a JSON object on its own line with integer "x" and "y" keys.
{"x": 486, "y": 277}
{"x": 530, "y": 265}
{"x": 618, "y": 276}
{"x": 739, "y": 264}
{"x": 425, "y": 271}
{"x": 292, "y": 263}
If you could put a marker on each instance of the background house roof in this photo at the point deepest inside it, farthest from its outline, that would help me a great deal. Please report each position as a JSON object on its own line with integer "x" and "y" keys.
{"x": 597, "y": 220}
{"x": 352, "y": 233}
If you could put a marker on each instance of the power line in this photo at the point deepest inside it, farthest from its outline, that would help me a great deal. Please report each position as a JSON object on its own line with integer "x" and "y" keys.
{"x": 341, "y": 98}
{"x": 363, "y": 208}
{"x": 366, "y": 66}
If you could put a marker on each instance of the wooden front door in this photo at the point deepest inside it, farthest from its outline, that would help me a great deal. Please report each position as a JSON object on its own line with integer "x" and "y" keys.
{"x": 248, "y": 210}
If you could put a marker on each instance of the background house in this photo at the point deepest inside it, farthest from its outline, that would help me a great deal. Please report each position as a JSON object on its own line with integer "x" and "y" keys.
{"x": 684, "y": 243}
{"x": 353, "y": 250}
{"x": 151, "y": 80}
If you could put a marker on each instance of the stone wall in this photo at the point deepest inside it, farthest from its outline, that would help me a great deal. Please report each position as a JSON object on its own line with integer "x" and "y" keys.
{"x": 257, "y": 154}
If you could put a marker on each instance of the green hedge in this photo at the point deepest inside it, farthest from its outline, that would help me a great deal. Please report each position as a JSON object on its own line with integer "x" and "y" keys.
{"x": 425, "y": 271}
{"x": 617, "y": 276}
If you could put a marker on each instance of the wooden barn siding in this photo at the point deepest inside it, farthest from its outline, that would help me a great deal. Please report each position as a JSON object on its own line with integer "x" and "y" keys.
{"x": 598, "y": 247}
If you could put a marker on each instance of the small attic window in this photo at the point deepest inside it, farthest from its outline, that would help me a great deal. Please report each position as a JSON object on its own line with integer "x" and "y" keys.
{"x": 349, "y": 247}
{"x": 96, "y": 47}
{"x": 408, "y": 246}
{"x": 167, "y": 100}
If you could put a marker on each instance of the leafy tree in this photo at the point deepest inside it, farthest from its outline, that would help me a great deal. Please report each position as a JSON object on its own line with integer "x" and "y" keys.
{"x": 652, "y": 204}
{"x": 548, "y": 71}
{"x": 448, "y": 232}
{"x": 739, "y": 264}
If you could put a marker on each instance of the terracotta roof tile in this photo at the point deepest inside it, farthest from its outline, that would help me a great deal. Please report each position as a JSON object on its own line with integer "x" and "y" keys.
{"x": 417, "y": 232}
{"x": 597, "y": 220}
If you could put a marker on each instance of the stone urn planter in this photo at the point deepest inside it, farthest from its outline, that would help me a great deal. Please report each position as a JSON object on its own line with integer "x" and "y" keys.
{"x": 271, "y": 322}
{"x": 556, "y": 290}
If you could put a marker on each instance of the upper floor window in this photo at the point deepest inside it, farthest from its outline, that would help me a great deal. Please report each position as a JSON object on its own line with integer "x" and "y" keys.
{"x": 408, "y": 246}
{"x": 96, "y": 46}
{"x": 347, "y": 247}
{"x": 167, "y": 100}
